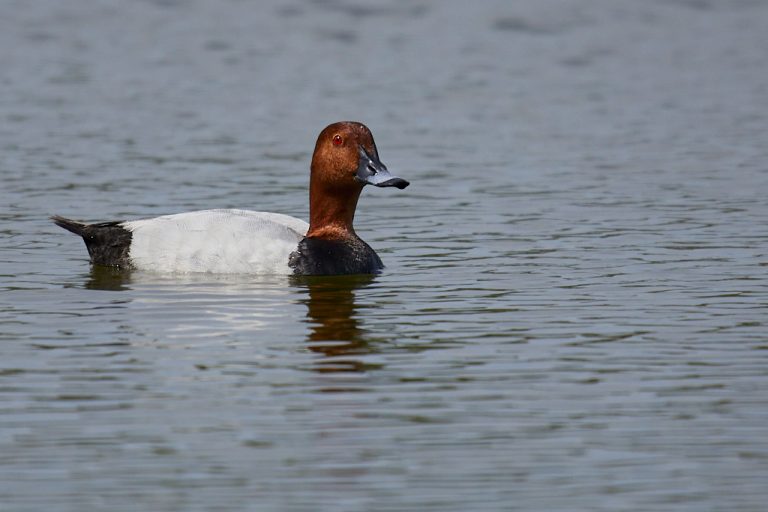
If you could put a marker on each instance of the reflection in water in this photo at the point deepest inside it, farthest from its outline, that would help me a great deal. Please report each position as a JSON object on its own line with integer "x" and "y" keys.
{"x": 335, "y": 328}
{"x": 108, "y": 278}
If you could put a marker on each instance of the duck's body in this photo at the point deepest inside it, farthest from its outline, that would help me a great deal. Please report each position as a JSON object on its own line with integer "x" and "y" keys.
{"x": 216, "y": 241}
{"x": 249, "y": 242}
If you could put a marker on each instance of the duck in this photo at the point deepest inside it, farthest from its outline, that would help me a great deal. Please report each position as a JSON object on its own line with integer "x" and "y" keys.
{"x": 234, "y": 241}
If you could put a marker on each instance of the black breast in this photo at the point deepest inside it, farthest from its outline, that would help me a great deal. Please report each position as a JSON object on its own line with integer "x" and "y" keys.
{"x": 316, "y": 257}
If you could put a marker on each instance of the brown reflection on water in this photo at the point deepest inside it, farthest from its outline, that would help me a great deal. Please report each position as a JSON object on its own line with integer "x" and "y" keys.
{"x": 336, "y": 332}
{"x": 107, "y": 278}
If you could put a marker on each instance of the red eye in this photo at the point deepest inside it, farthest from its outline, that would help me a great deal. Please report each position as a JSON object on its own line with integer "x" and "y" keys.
{"x": 337, "y": 140}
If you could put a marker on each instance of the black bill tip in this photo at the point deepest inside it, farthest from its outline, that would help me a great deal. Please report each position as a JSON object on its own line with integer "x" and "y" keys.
{"x": 394, "y": 182}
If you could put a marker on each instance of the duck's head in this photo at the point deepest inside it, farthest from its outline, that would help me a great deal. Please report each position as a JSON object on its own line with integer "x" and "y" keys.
{"x": 345, "y": 157}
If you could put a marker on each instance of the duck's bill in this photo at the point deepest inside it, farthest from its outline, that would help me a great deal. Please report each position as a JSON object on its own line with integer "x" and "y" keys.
{"x": 372, "y": 172}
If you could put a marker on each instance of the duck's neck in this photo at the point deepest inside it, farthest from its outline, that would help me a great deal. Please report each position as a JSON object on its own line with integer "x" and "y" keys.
{"x": 331, "y": 212}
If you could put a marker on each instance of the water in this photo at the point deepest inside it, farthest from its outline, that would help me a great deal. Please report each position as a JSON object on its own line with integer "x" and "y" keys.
{"x": 573, "y": 311}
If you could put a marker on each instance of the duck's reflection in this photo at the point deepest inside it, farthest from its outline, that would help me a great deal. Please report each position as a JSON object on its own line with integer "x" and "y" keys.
{"x": 108, "y": 278}
{"x": 336, "y": 332}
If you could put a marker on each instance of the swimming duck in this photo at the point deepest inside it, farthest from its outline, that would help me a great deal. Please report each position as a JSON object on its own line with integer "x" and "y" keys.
{"x": 250, "y": 242}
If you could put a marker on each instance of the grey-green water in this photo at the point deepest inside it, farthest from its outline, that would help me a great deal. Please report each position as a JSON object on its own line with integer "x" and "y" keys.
{"x": 573, "y": 311}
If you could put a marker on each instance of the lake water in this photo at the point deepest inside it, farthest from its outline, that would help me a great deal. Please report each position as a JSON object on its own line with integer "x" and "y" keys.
{"x": 573, "y": 313}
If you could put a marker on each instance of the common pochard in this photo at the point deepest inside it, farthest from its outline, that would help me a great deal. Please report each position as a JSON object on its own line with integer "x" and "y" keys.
{"x": 251, "y": 242}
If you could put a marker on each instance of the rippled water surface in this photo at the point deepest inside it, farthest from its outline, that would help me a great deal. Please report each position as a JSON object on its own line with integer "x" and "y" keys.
{"x": 573, "y": 313}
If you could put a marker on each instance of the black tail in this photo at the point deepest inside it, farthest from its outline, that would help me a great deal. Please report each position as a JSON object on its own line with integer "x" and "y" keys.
{"x": 108, "y": 243}
{"x": 73, "y": 226}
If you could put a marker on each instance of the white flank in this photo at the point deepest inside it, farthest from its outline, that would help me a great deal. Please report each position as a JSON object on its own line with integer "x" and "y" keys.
{"x": 216, "y": 241}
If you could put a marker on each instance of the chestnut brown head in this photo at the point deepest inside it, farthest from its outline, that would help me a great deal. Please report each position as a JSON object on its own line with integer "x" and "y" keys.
{"x": 346, "y": 157}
